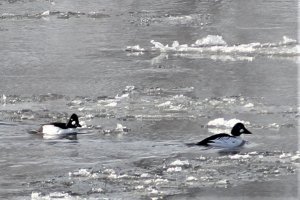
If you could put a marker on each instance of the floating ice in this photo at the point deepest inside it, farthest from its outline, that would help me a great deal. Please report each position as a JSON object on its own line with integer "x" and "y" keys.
{"x": 81, "y": 172}
{"x": 129, "y": 88}
{"x": 112, "y": 104}
{"x": 253, "y": 153}
{"x": 4, "y": 99}
{"x": 77, "y": 102}
{"x": 112, "y": 176}
{"x": 191, "y": 178}
{"x": 182, "y": 19}
{"x": 45, "y": 13}
{"x": 97, "y": 190}
{"x": 160, "y": 181}
{"x": 121, "y": 129}
{"x": 52, "y": 196}
{"x": 285, "y": 155}
{"x": 94, "y": 14}
{"x": 179, "y": 163}
{"x": 210, "y": 40}
{"x": 222, "y": 182}
{"x": 174, "y": 169}
{"x": 215, "y": 45}
{"x": 202, "y": 158}
{"x": 123, "y": 96}
{"x": 227, "y": 123}
{"x": 139, "y": 187}
{"x": 27, "y": 116}
{"x": 296, "y": 158}
{"x": 165, "y": 104}
{"x": 288, "y": 41}
{"x": 274, "y": 125}
{"x": 145, "y": 175}
{"x": 152, "y": 190}
{"x": 249, "y": 105}
{"x": 135, "y": 48}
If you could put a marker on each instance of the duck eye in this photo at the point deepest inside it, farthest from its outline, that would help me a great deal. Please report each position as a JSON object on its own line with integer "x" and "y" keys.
{"x": 242, "y": 131}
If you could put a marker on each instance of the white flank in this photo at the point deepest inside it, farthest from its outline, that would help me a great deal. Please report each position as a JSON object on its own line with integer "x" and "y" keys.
{"x": 53, "y": 132}
{"x": 227, "y": 142}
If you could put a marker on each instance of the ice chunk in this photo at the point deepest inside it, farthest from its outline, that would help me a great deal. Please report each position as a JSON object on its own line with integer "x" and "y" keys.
{"x": 227, "y": 123}
{"x": 210, "y": 40}
{"x": 179, "y": 163}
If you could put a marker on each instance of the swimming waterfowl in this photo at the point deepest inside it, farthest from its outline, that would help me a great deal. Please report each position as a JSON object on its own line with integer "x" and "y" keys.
{"x": 224, "y": 140}
{"x": 59, "y": 130}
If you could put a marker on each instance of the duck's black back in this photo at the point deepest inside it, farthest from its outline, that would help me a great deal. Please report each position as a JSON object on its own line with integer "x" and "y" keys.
{"x": 213, "y": 137}
{"x": 60, "y": 125}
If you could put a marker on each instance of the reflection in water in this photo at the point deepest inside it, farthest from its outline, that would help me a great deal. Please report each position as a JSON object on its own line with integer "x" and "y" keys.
{"x": 224, "y": 152}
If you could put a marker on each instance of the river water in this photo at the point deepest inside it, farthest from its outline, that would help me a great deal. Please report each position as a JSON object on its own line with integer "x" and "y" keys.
{"x": 146, "y": 77}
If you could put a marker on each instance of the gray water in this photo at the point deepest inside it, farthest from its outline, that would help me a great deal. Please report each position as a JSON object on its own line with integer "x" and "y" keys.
{"x": 140, "y": 105}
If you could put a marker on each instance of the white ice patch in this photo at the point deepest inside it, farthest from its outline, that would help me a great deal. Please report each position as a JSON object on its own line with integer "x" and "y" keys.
{"x": 145, "y": 175}
{"x": 285, "y": 155}
{"x": 121, "y": 129}
{"x": 295, "y": 158}
{"x": 165, "y": 104}
{"x": 222, "y": 182}
{"x": 139, "y": 187}
{"x": 52, "y": 196}
{"x": 135, "y": 48}
{"x": 174, "y": 169}
{"x": 77, "y": 101}
{"x": 97, "y": 190}
{"x": 218, "y": 130}
{"x": 108, "y": 103}
{"x": 129, "y": 88}
{"x": 210, "y": 40}
{"x": 227, "y": 123}
{"x": 111, "y": 174}
{"x": 215, "y": 44}
{"x": 159, "y": 181}
{"x": 4, "y": 99}
{"x": 274, "y": 125}
{"x": 191, "y": 178}
{"x": 180, "y": 19}
{"x": 112, "y": 104}
{"x": 45, "y": 13}
{"x": 122, "y": 96}
{"x": 288, "y": 41}
{"x": 237, "y": 156}
{"x": 81, "y": 173}
{"x": 179, "y": 163}
{"x": 152, "y": 190}
{"x": 249, "y": 105}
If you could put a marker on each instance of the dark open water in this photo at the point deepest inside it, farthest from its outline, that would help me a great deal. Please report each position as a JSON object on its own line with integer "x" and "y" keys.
{"x": 138, "y": 105}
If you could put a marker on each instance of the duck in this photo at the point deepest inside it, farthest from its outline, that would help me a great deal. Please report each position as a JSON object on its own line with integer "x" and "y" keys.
{"x": 223, "y": 140}
{"x": 60, "y": 130}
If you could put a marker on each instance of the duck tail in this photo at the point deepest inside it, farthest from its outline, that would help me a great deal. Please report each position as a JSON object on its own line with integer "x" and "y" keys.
{"x": 191, "y": 144}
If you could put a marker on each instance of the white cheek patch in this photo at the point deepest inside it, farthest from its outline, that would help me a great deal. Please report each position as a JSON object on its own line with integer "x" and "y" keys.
{"x": 242, "y": 131}
{"x": 73, "y": 122}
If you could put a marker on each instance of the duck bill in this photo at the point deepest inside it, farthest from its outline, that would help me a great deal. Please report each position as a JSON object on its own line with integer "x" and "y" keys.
{"x": 247, "y": 132}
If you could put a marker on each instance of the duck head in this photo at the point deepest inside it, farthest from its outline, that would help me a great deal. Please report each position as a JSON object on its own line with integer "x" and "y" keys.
{"x": 73, "y": 122}
{"x": 239, "y": 129}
